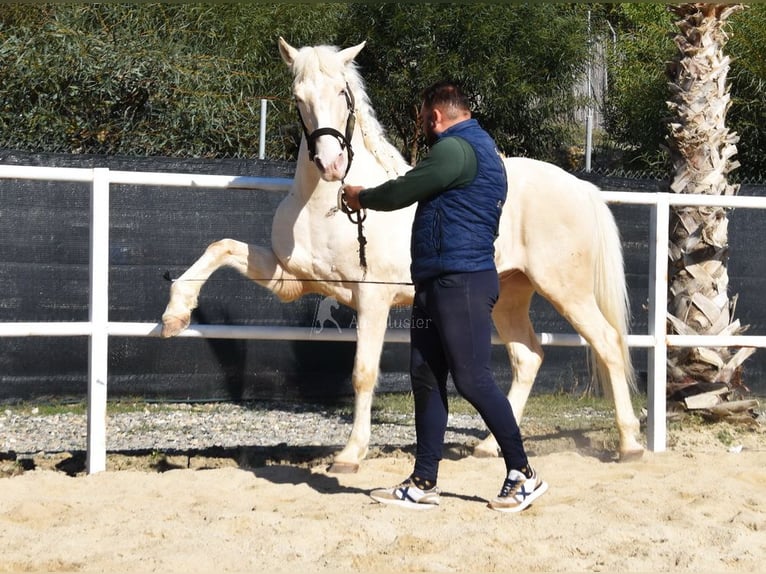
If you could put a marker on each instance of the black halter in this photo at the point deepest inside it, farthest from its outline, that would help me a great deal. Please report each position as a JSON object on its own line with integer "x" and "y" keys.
{"x": 344, "y": 139}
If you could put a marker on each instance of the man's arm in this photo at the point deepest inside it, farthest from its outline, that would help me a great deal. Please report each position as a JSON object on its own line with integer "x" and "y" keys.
{"x": 450, "y": 164}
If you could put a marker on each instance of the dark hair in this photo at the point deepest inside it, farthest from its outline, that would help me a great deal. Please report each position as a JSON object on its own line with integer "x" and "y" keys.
{"x": 447, "y": 94}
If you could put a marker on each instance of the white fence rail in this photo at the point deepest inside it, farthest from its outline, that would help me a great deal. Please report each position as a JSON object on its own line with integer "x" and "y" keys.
{"x": 98, "y": 328}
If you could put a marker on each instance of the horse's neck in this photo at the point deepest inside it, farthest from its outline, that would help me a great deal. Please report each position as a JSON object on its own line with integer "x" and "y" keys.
{"x": 369, "y": 139}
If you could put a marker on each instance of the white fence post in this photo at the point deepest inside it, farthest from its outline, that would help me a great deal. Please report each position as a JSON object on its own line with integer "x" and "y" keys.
{"x": 98, "y": 348}
{"x": 262, "y": 138}
{"x": 659, "y": 223}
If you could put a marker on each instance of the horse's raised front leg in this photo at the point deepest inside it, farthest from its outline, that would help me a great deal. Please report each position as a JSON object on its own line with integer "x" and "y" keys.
{"x": 372, "y": 314}
{"x": 511, "y": 317}
{"x": 257, "y": 263}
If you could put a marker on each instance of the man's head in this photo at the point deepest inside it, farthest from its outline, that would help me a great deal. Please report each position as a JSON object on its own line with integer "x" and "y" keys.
{"x": 444, "y": 104}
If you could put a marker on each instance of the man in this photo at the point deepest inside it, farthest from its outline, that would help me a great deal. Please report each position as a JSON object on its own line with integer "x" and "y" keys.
{"x": 460, "y": 188}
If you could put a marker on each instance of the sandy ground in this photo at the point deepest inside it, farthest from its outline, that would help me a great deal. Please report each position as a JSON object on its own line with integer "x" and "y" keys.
{"x": 700, "y": 506}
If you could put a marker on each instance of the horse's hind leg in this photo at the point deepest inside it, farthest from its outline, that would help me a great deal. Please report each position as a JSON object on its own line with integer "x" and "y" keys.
{"x": 511, "y": 317}
{"x": 583, "y": 313}
{"x": 257, "y": 263}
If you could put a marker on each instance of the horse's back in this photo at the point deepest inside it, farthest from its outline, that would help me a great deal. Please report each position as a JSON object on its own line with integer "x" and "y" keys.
{"x": 536, "y": 184}
{"x": 548, "y": 221}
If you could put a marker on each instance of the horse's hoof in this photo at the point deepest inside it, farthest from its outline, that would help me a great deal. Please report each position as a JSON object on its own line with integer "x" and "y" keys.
{"x": 172, "y": 325}
{"x": 631, "y": 455}
{"x": 483, "y": 452}
{"x": 343, "y": 468}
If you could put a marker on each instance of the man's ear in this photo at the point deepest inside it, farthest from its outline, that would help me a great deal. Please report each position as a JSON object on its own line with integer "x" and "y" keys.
{"x": 436, "y": 116}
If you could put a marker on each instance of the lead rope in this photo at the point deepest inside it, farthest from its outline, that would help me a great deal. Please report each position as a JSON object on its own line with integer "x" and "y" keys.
{"x": 357, "y": 218}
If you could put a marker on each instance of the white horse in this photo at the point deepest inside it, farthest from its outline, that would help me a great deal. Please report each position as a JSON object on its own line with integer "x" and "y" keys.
{"x": 557, "y": 238}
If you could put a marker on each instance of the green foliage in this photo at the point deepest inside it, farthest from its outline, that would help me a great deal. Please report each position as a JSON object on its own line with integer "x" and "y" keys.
{"x": 149, "y": 79}
{"x": 747, "y": 116}
{"x": 185, "y": 79}
{"x": 520, "y": 62}
{"x": 178, "y": 79}
{"x": 637, "y": 112}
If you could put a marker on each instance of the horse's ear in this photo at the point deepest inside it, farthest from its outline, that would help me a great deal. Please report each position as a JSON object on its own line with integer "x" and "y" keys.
{"x": 349, "y": 54}
{"x": 287, "y": 51}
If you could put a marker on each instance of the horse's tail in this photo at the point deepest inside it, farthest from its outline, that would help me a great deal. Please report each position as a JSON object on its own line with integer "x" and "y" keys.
{"x": 610, "y": 287}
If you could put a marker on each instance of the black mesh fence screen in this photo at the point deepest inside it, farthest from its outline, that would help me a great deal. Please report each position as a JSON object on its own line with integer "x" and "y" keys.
{"x": 157, "y": 230}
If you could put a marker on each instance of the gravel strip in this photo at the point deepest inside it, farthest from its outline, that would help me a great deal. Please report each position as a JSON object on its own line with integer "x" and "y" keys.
{"x": 184, "y": 427}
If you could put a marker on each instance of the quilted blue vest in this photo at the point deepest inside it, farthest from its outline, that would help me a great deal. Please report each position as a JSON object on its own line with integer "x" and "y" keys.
{"x": 454, "y": 231}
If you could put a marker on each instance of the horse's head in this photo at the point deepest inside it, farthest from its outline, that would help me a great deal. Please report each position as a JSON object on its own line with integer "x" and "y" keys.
{"x": 326, "y": 103}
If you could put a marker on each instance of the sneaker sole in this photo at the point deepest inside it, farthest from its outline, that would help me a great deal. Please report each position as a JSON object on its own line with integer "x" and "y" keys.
{"x": 405, "y": 503}
{"x": 537, "y": 493}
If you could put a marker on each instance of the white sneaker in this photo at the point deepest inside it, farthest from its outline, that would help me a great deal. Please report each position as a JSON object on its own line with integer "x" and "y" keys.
{"x": 518, "y": 492}
{"x": 407, "y": 495}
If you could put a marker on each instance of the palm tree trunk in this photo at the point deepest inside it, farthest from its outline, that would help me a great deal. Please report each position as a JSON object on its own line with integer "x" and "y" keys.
{"x": 701, "y": 149}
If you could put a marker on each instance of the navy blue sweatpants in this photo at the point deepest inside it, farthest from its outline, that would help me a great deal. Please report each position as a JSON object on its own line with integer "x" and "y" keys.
{"x": 451, "y": 332}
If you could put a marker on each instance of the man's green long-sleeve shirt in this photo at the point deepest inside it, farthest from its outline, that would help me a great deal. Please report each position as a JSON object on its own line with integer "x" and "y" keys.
{"x": 451, "y": 164}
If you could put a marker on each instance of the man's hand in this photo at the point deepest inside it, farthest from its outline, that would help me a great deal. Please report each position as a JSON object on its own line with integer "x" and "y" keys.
{"x": 351, "y": 195}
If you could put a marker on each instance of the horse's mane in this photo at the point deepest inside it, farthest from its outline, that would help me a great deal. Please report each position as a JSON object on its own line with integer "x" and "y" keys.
{"x": 320, "y": 60}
